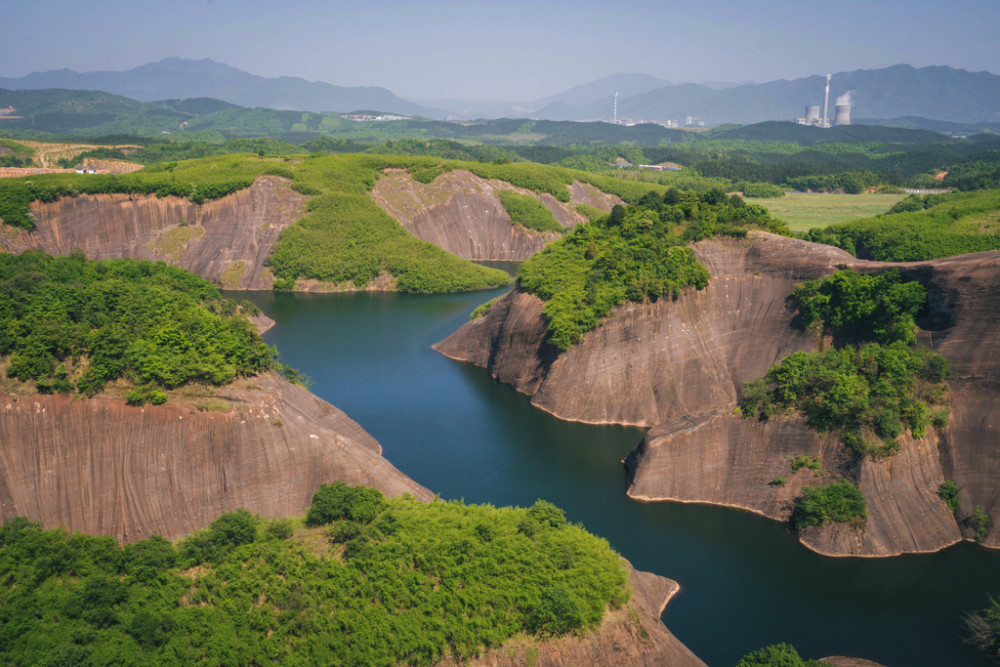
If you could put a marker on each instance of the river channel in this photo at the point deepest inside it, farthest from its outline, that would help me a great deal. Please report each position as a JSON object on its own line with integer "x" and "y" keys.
{"x": 745, "y": 580}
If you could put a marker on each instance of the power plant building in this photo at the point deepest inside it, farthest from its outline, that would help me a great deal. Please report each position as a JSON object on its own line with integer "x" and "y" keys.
{"x": 842, "y": 110}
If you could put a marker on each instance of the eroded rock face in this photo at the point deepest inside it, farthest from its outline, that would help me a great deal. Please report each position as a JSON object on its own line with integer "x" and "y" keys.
{"x": 632, "y": 635}
{"x": 460, "y": 213}
{"x": 224, "y": 241}
{"x": 678, "y": 365}
{"x": 100, "y": 466}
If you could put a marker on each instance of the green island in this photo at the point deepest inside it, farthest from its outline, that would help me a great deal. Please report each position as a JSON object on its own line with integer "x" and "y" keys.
{"x": 636, "y": 254}
{"x": 72, "y": 326}
{"x": 362, "y": 580}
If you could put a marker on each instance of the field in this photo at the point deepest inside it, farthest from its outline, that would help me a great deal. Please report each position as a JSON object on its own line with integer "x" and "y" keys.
{"x": 803, "y": 211}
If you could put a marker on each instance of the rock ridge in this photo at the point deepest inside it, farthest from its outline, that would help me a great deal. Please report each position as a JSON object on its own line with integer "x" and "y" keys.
{"x": 677, "y": 366}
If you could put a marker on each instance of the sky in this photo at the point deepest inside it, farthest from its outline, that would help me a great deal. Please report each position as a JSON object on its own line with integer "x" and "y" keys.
{"x": 513, "y": 50}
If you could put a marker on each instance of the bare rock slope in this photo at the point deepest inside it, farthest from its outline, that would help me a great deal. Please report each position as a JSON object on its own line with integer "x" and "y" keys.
{"x": 460, "y": 213}
{"x": 100, "y": 466}
{"x": 678, "y": 365}
{"x": 224, "y": 241}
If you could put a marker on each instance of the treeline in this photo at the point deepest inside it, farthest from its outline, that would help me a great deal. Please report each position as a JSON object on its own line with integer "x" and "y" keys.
{"x": 635, "y": 254}
{"x": 921, "y": 227}
{"x": 72, "y": 326}
{"x": 378, "y": 582}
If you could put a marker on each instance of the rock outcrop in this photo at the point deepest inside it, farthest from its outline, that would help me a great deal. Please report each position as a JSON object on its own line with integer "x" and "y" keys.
{"x": 100, "y": 466}
{"x": 224, "y": 241}
{"x": 678, "y": 365}
{"x": 460, "y": 213}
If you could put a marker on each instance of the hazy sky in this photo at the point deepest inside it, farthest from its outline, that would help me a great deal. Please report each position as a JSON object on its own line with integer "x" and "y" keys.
{"x": 502, "y": 50}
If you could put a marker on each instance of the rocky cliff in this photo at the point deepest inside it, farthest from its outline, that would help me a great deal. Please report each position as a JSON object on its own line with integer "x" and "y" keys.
{"x": 460, "y": 213}
{"x": 677, "y": 365}
{"x": 225, "y": 241}
{"x": 100, "y": 466}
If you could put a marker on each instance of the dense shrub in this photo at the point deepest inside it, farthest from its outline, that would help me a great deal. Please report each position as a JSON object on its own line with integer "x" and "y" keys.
{"x": 871, "y": 393}
{"x": 635, "y": 254}
{"x": 421, "y": 584}
{"x": 777, "y": 655}
{"x": 68, "y": 323}
{"x": 840, "y": 502}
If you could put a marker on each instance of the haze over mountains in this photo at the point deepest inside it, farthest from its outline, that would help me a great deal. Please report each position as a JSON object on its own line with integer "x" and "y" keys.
{"x": 940, "y": 93}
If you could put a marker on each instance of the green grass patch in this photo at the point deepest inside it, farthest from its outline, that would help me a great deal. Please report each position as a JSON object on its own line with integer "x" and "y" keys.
{"x": 922, "y": 228}
{"x": 528, "y": 212}
{"x": 481, "y": 309}
{"x": 377, "y": 582}
{"x": 173, "y": 242}
{"x": 808, "y": 210}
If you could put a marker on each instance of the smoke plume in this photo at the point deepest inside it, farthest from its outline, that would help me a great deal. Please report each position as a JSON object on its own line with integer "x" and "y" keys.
{"x": 845, "y": 98}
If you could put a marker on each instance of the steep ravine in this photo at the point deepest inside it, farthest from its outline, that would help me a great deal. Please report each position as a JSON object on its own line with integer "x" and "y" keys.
{"x": 677, "y": 366}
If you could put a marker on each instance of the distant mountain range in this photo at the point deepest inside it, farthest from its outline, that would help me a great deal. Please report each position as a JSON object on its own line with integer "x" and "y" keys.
{"x": 182, "y": 78}
{"x": 936, "y": 93}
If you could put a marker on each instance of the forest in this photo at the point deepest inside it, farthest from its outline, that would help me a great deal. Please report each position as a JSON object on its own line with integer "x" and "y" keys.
{"x": 362, "y": 580}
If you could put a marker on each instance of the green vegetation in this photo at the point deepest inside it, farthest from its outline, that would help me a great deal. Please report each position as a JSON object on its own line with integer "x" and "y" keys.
{"x": 637, "y": 255}
{"x": 591, "y": 213}
{"x": 804, "y": 211}
{"x": 761, "y": 190}
{"x": 839, "y": 501}
{"x": 979, "y": 521}
{"x": 528, "y": 212}
{"x": 983, "y": 629}
{"x": 800, "y": 462}
{"x": 198, "y": 181}
{"x": 872, "y": 393}
{"x": 380, "y": 582}
{"x": 481, "y": 309}
{"x": 948, "y": 492}
{"x": 13, "y": 154}
{"x": 777, "y": 655}
{"x": 921, "y": 227}
{"x": 71, "y": 325}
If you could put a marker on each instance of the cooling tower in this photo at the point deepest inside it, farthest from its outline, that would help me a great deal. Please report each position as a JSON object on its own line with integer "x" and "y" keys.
{"x": 812, "y": 113}
{"x": 843, "y": 116}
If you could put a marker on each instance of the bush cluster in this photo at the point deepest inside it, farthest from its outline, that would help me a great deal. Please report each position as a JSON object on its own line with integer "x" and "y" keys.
{"x": 397, "y": 582}
{"x": 839, "y": 501}
{"x": 871, "y": 393}
{"x": 635, "y": 254}
{"x": 70, "y": 324}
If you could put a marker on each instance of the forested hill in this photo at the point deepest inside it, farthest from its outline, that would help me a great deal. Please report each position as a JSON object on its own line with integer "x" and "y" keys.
{"x": 72, "y": 326}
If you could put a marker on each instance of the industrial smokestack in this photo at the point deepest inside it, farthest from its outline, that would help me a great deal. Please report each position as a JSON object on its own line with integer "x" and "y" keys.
{"x": 826, "y": 102}
{"x": 843, "y": 116}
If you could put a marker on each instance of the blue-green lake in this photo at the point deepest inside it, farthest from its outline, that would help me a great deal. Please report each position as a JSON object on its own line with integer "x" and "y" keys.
{"x": 745, "y": 581}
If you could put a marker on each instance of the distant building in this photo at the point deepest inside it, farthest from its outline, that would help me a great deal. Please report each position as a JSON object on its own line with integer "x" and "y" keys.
{"x": 663, "y": 166}
{"x": 621, "y": 163}
{"x": 85, "y": 169}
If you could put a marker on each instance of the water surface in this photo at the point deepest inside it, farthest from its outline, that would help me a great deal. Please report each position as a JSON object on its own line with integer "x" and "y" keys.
{"x": 745, "y": 580}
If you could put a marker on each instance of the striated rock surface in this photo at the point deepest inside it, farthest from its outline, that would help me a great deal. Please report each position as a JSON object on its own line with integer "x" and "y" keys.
{"x": 225, "y": 241}
{"x": 100, "y": 466}
{"x": 678, "y": 365}
{"x": 460, "y": 213}
{"x": 632, "y": 635}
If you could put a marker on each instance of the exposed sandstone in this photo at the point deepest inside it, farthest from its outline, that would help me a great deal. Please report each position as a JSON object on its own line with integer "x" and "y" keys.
{"x": 100, "y": 466}
{"x": 226, "y": 241}
{"x": 460, "y": 213}
{"x": 677, "y": 365}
